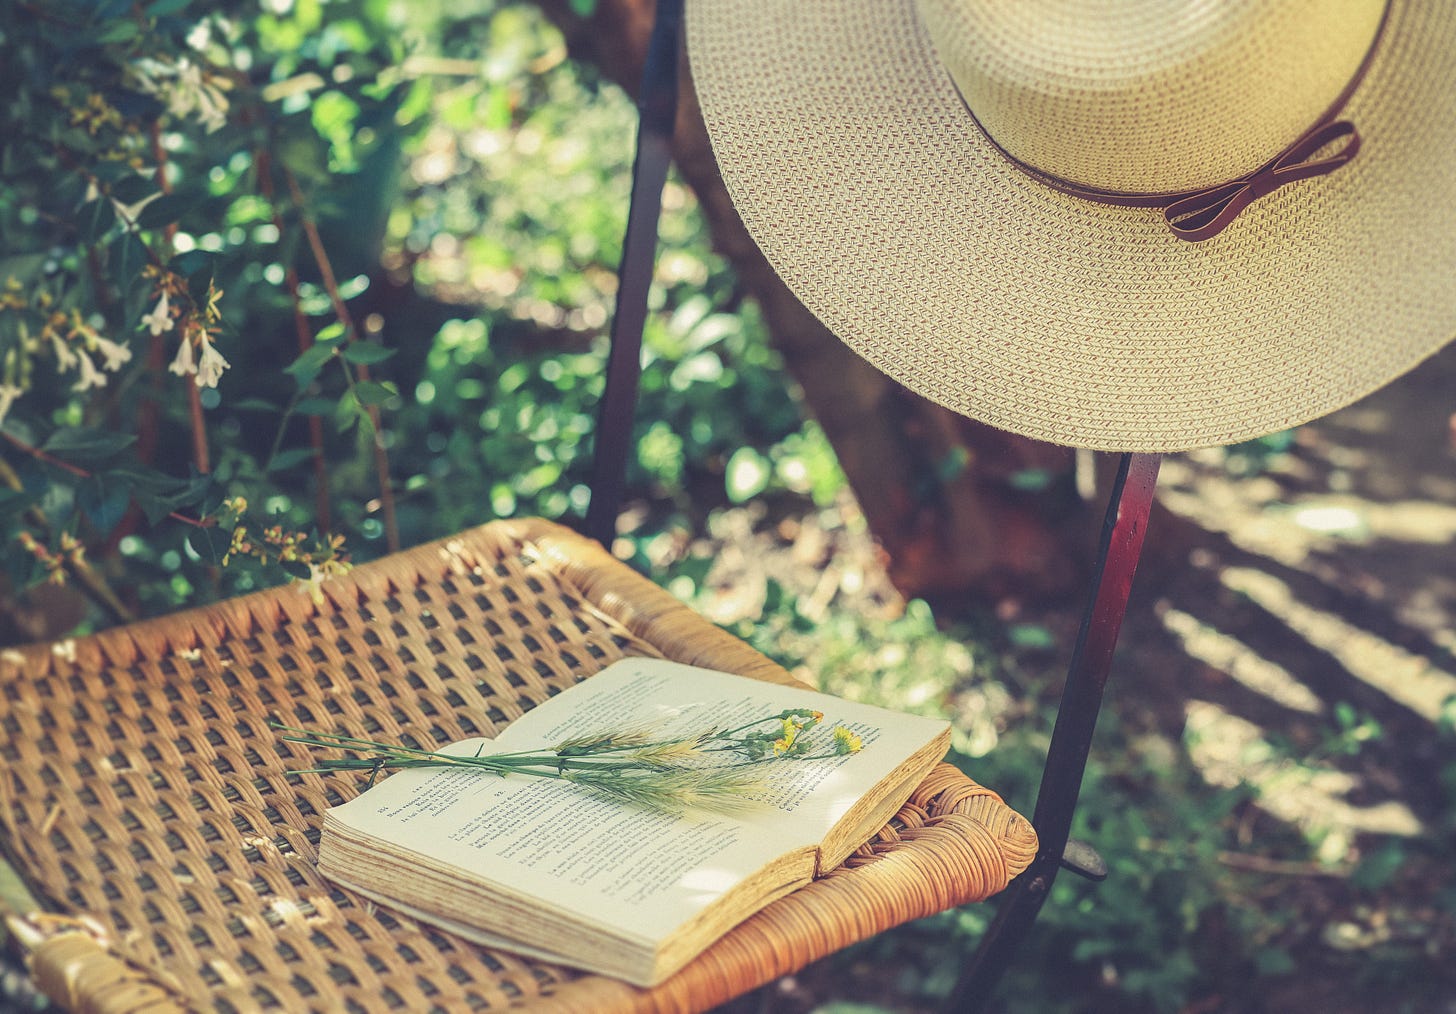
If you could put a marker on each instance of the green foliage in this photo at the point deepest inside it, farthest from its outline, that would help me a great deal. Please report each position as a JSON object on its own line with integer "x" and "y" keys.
{"x": 246, "y": 252}
{"x": 162, "y": 165}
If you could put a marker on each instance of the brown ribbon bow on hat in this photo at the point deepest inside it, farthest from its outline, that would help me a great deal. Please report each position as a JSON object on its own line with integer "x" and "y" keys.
{"x": 1200, "y": 214}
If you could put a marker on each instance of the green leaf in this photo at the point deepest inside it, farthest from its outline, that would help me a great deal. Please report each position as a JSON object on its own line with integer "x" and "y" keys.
{"x": 305, "y": 369}
{"x": 87, "y": 445}
{"x": 23, "y": 266}
{"x": 1272, "y": 961}
{"x": 169, "y": 208}
{"x": 209, "y": 543}
{"x": 347, "y": 413}
{"x": 366, "y": 428}
{"x": 315, "y": 406}
{"x": 120, "y": 30}
{"x": 747, "y": 474}
{"x": 367, "y": 353}
{"x": 306, "y": 156}
{"x": 332, "y": 334}
{"x": 128, "y": 257}
{"x": 373, "y": 392}
{"x": 96, "y": 219}
{"x": 102, "y": 500}
{"x": 161, "y": 8}
{"x": 13, "y": 502}
{"x": 1031, "y": 635}
{"x": 132, "y": 188}
{"x": 284, "y": 460}
{"x": 1031, "y": 480}
{"x": 1380, "y": 866}
{"x": 295, "y": 568}
{"x": 193, "y": 262}
{"x": 583, "y": 8}
{"x": 253, "y": 405}
{"x": 159, "y": 495}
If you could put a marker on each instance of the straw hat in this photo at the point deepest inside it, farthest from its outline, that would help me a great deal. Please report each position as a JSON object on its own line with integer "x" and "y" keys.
{"x": 997, "y": 202}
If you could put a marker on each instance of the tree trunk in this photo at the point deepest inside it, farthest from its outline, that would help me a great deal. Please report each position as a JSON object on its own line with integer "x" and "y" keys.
{"x": 960, "y": 509}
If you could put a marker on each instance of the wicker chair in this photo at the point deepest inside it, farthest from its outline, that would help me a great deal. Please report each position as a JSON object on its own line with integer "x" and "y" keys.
{"x": 149, "y": 804}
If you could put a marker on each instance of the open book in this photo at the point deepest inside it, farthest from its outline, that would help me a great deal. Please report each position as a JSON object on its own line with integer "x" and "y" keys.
{"x": 549, "y": 869}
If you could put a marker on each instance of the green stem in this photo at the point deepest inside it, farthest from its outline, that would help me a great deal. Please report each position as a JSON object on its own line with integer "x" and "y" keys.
{"x": 408, "y": 756}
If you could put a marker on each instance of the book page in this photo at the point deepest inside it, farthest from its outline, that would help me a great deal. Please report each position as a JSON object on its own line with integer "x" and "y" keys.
{"x": 608, "y": 863}
{"x": 620, "y": 865}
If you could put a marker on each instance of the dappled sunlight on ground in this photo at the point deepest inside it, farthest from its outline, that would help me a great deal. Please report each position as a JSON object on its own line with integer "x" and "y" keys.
{"x": 1406, "y": 677}
{"x": 1232, "y": 751}
{"x": 1232, "y": 656}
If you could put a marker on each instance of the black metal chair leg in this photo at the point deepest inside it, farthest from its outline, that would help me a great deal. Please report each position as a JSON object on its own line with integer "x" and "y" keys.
{"x": 1122, "y": 540}
{"x": 657, "y": 106}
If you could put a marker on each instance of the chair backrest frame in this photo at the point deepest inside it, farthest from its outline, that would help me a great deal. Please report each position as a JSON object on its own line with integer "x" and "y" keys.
{"x": 657, "y": 112}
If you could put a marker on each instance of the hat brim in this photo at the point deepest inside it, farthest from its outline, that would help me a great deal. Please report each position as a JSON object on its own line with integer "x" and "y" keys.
{"x": 858, "y": 171}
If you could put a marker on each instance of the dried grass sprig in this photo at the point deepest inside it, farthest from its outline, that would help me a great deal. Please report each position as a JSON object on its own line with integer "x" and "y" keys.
{"x": 711, "y": 770}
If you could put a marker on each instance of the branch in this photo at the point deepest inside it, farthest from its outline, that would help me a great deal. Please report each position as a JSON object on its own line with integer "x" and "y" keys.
{"x": 1253, "y": 863}
{"x": 200, "y": 457}
{"x": 78, "y": 569}
{"x": 351, "y": 333}
{"x": 79, "y": 472}
{"x": 263, "y": 161}
{"x": 149, "y": 406}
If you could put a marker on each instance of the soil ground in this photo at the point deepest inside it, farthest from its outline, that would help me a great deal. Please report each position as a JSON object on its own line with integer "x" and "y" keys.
{"x": 1303, "y": 597}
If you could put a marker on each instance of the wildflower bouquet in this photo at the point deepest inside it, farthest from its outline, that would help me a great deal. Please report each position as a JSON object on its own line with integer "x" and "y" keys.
{"x": 712, "y": 769}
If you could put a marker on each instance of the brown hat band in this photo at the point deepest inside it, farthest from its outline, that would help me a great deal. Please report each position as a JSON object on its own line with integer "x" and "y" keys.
{"x": 1196, "y": 215}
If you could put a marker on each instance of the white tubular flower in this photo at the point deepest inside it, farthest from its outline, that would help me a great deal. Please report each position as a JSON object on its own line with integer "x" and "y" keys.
{"x": 147, "y": 72}
{"x": 313, "y": 584}
{"x": 159, "y": 321}
{"x": 8, "y": 394}
{"x": 212, "y": 108}
{"x": 90, "y": 375}
{"x": 210, "y": 365}
{"x": 113, "y": 354}
{"x": 182, "y": 93}
{"x": 182, "y": 363}
{"x": 200, "y": 35}
{"x": 184, "y": 89}
{"x": 65, "y": 355}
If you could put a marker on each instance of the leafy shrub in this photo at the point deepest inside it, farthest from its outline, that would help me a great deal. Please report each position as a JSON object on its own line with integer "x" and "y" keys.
{"x": 241, "y": 328}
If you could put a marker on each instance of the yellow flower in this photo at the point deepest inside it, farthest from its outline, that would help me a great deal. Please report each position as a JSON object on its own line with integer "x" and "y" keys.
{"x": 846, "y": 741}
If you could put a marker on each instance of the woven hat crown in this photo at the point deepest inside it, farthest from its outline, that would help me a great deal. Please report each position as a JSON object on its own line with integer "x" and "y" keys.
{"x": 1119, "y": 224}
{"x": 1150, "y": 96}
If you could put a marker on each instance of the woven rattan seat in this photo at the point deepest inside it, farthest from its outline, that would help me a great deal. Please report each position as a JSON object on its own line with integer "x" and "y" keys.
{"x": 147, "y": 801}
